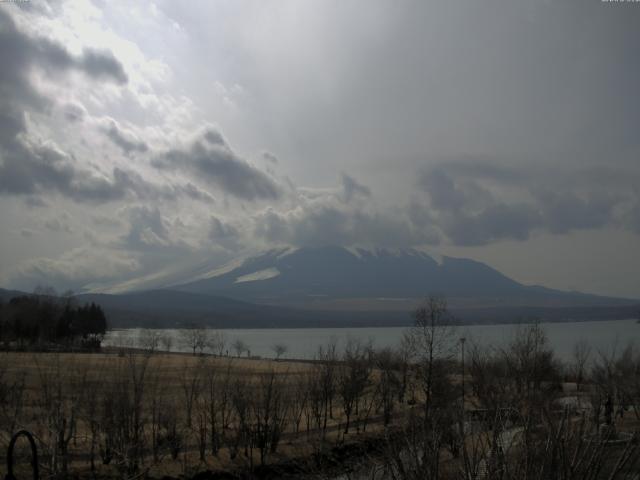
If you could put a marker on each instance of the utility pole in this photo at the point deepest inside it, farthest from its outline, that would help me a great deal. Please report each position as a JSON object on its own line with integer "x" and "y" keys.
{"x": 462, "y": 341}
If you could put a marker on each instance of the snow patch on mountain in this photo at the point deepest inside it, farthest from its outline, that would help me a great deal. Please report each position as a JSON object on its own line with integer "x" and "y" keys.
{"x": 218, "y": 271}
{"x": 287, "y": 251}
{"x": 265, "y": 274}
{"x": 361, "y": 252}
{"x": 439, "y": 259}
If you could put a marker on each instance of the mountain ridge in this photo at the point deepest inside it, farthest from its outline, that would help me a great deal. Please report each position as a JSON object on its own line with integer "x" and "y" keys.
{"x": 302, "y": 277}
{"x": 339, "y": 287}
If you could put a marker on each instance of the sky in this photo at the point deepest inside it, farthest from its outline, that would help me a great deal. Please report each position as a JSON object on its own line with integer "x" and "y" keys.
{"x": 143, "y": 141}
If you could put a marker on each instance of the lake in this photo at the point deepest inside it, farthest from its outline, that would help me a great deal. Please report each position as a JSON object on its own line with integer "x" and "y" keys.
{"x": 303, "y": 343}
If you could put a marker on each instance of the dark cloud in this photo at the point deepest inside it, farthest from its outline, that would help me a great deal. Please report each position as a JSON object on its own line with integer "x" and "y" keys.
{"x": 126, "y": 141}
{"x": 633, "y": 216}
{"x": 214, "y": 137}
{"x": 419, "y": 215}
{"x": 59, "y": 225}
{"x": 482, "y": 168}
{"x": 30, "y": 167}
{"x": 210, "y": 159}
{"x": 189, "y": 190}
{"x": 270, "y": 157}
{"x": 11, "y": 121}
{"x": 36, "y": 202}
{"x": 27, "y": 169}
{"x": 443, "y": 192}
{"x": 106, "y": 221}
{"x": 21, "y": 51}
{"x": 101, "y": 64}
{"x": 566, "y": 211}
{"x": 224, "y": 234}
{"x": 326, "y": 224}
{"x": 147, "y": 228}
{"x": 74, "y": 112}
{"x": 478, "y": 203}
{"x": 16, "y": 58}
{"x": 497, "y": 222}
{"x": 351, "y": 188}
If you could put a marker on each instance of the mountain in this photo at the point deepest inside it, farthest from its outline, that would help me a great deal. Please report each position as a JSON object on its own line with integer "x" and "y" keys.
{"x": 340, "y": 287}
{"x": 6, "y": 295}
{"x": 337, "y": 278}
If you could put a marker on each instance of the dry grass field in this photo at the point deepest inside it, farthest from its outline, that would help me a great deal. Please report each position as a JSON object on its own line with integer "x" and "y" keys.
{"x": 128, "y": 413}
{"x": 81, "y": 405}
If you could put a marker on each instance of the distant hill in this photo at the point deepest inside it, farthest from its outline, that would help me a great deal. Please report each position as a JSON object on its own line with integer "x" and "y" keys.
{"x": 168, "y": 308}
{"x": 175, "y": 309}
{"x": 6, "y": 295}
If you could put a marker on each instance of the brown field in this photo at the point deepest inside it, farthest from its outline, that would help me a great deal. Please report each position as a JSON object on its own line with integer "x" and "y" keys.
{"x": 58, "y": 389}
{"x": 133, "y": 414}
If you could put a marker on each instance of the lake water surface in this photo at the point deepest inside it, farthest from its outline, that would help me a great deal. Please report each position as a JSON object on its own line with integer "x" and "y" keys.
{"x": 303, "y": 343}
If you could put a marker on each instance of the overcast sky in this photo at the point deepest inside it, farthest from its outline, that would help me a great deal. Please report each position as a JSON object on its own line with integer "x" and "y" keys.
{"x": 142, "y": 140}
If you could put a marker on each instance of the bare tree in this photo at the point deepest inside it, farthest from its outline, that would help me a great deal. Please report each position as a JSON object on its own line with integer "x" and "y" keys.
{"x": 122, "y": 414}
{"x": 149, "y": 340}
{"x": 215, "y": 404}
{"x": 169, "y": 431}
{"x": 299, "y": 400}
{"x": 413, "y": 453}
{"x": 523, "y": 376}
{"x": 194, "y": 338}
{"x": 327, "y": 361}
{"x": 628, "y": 380}
{"x": 156, "y": 405}
{"x": 269, "y": 412}
{"x": 616, "y": 376}
{"x": 431, "y": 340}
{"x": 239, "y": 347}
{"x": 491, "y": 382}
{"x": 167, "y": 342}
{"x": 279, "y": 349}
{"x": 216, "y": 341}
{"x": 581, "y": 353}
{"x": 137, "y": 371}
{"x": 95, "y": 390}
{"x": 59, "y": 403}
{"x": 388, "y": 382}
{"x": 191, "y": 384}
{"x": 532, "y": 368}
{"x": 224, "y": 408}
{"x": 353, "y": 377}
{"x": 316, "y": 401}
{"x": 240, "y": 401}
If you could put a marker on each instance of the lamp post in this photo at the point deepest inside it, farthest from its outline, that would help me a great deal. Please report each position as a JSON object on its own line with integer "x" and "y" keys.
{"x": 462, "y": 341}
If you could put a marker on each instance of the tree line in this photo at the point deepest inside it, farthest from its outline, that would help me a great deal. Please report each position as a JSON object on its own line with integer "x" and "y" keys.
{"x": 45, "y": 320}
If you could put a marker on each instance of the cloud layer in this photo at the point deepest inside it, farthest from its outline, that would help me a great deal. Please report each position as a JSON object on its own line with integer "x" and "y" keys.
{"x": 142, "y": 142}
{"x": 209, "y": 158}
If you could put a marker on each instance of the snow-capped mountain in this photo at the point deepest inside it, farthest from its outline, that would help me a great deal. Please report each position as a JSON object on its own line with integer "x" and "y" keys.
{"x": 335, "y": 286}
{"x": 337, "y": 277}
